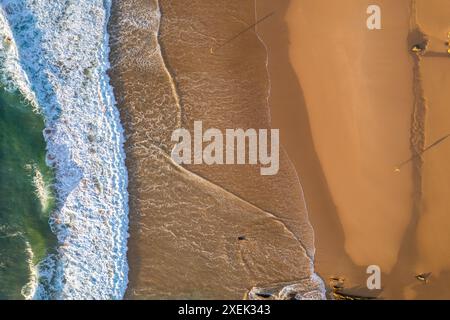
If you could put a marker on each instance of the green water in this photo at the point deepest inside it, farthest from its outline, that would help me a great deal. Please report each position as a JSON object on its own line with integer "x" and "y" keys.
{"x": 23, "y": 213}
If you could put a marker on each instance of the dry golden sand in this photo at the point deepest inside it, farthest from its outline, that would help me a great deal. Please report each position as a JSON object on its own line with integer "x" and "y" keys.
{"x": 432, "y": 233}
{"x": 355, "y": 111}
{"x": 358, "y": 86}
{"x": 289, "y": 113}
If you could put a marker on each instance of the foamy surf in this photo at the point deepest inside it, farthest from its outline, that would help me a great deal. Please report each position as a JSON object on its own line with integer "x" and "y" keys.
{"x": 11, "y": 73}
{"x": 30, "y": 289}
{"x": 61, "y": 61}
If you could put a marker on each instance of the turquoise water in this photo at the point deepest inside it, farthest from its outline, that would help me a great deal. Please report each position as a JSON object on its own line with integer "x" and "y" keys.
{"x": 26, "y": 194}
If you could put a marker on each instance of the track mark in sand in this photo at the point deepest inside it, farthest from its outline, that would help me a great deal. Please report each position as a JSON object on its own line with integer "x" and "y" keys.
{"x": 431, "y": 146}
{"x": 265, "y": 212}
{"x": 213, "y": 50}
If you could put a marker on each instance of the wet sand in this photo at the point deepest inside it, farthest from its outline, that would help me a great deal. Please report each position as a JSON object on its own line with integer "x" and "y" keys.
{"x": 185, "y": 223}
{"x": 229, "y": 89}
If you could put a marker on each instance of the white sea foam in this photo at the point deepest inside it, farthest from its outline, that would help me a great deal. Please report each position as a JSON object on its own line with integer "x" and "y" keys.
{"x": 11, "y": 73}
{"x": 42, "y": 189}
{"x": 63, "y": 51}
{"x": 29, "y": 290}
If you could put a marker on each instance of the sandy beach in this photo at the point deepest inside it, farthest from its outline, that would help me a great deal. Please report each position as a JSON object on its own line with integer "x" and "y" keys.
{"x": 225, "y": 150}
{"x": 433, "y": 18}
{"x": 352, "y": 105}
{"x": 202, "y": 231}
{"x": 289, "y": 113}
{"x": 358, "y": 92}
{"x": 353, "y": 112}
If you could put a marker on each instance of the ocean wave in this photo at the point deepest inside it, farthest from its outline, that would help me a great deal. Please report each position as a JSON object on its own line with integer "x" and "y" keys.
{"x": 12, "y": 76}
{"x": 60, "y": 63}
{"x": 42, "y": 189}
{"x": 29, "y": 290}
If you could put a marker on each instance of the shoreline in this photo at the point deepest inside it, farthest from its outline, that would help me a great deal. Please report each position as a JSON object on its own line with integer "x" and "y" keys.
{"x": 194, "y": 216}
{"x": 112, "y": 80}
